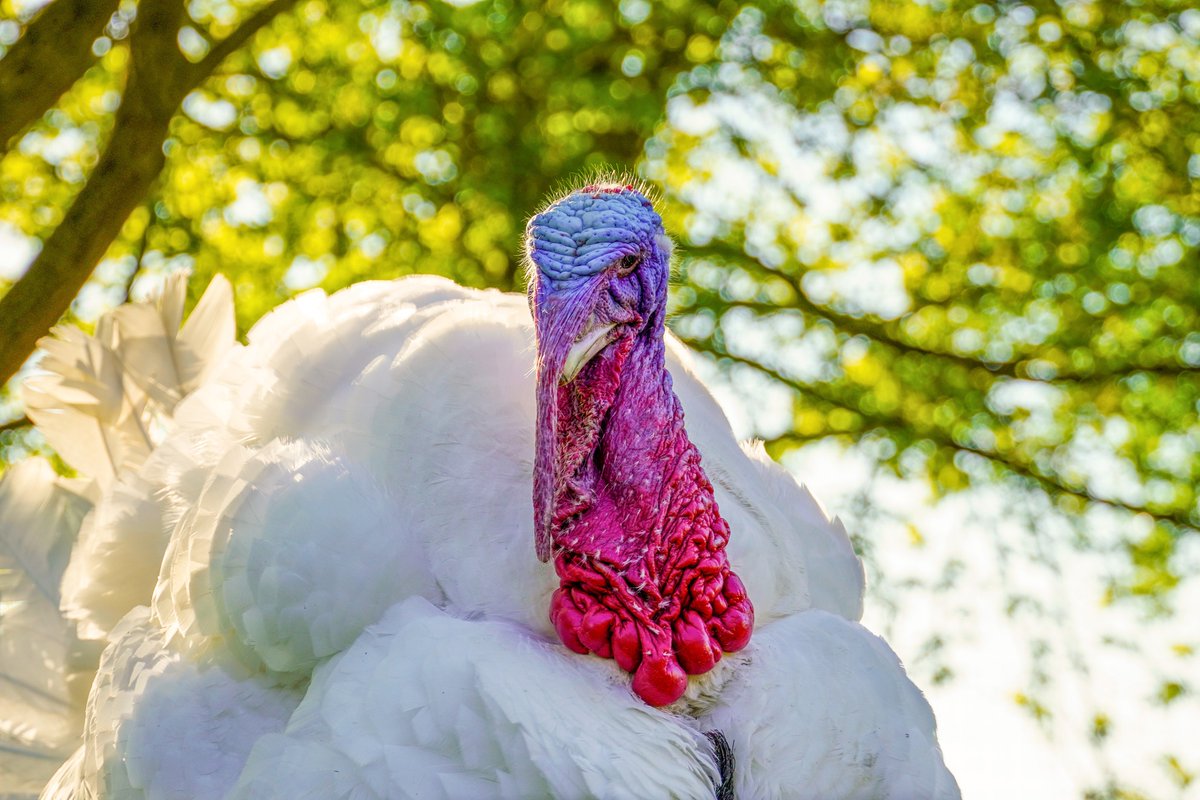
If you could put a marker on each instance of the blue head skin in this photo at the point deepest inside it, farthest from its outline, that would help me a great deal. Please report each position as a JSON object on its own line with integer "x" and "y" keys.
{"x": 599, "y": 268}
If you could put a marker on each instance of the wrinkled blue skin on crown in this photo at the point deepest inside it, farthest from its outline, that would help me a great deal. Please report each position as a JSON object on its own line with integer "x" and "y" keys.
{"x": 586, "y": 232}
{"x": 575, "y": 249}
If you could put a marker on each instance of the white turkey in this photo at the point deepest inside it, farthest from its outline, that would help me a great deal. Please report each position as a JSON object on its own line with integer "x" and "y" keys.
{"x": 319, "y": 574}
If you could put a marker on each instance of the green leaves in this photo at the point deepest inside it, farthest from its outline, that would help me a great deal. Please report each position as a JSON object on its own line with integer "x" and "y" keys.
{"x": 1002, "y": 171}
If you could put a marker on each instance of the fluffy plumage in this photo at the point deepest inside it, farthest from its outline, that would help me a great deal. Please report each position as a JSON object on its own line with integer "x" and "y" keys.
{"x": 822, "y": 708}
{"x": 429, "y": 705}
{"x": 346, "y": 600}
{"x": 163, "y": 724}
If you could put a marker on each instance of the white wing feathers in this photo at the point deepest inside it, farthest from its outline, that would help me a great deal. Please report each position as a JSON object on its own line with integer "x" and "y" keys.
{"x": 102, "y": 402}
{"x": 85, "y": 408}
{"x": 168, "y": 362}
{"x": 426, "y": 705}
{"x": 164, "y": 727}
{"x": 39, "y": 717}
{"x": 115, "y": 561}
{"x": 68, "y": 783}
{"x": 149, "y": 365}
{"x": 288, "y": 554}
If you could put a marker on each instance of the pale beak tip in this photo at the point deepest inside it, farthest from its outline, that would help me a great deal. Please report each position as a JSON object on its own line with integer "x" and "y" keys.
{"x": 584, "y": 350}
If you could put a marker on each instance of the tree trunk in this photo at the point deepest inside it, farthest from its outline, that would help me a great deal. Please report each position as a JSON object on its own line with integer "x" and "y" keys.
{"x": 54, "y": 52}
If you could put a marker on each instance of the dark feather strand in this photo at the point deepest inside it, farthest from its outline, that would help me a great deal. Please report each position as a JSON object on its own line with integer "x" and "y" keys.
{"x": 725, "y": 762}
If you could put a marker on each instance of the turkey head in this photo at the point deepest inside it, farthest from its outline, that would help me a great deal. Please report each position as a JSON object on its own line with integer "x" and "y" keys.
{"x": 621, "y": 501}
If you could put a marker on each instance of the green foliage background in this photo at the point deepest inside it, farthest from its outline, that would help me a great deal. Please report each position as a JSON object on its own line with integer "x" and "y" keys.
{"x": 960, "y": 237}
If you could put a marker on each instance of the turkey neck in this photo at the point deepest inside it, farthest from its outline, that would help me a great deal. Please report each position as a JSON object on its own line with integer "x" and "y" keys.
{"x": 639, "y": 540}
{"x": 634, "y": 466}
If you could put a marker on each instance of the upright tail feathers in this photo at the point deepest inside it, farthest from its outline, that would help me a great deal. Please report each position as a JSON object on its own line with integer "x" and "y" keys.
{"x": 103, "y": 401}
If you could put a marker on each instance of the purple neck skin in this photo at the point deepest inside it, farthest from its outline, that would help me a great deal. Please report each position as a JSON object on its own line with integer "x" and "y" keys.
{"x": 638, "y": 539}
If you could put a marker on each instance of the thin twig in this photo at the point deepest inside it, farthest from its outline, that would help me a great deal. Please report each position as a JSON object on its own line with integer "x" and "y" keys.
{"x": 234, "y": 41}
{"x": 877, "y": 330}
{"x": 15, "y": 424}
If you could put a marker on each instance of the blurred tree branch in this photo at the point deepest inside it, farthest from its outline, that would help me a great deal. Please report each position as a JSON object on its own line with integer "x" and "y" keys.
{"x": 886, "y": 333}
{"x": 244, "y": 33}
{"x": 53, "y": 53}
{"x": 159, "y": 78}
{"x": 1010, "y": 463}
{"x": 15, "y": 424}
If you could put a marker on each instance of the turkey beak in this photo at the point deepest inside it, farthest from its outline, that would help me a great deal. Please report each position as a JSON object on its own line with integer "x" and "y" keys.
{"x": 594, "y": 338}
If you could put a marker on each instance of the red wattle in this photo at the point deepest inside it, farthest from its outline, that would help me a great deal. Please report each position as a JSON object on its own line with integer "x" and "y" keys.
{"x": 695, "y": 647}
{"x": 659, "y": 680}
{"x": 661, "y": 648}
{"x": 626, "y": 645}
{"x": 566, "y": 618}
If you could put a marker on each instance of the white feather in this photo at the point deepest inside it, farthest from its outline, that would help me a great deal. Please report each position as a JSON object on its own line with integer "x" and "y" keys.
{"x": 425, "y": 705}
{"x": 68, "y": 782}
{"x": 822, "y": 709}
{"x": 309, "y": 552}
{"x": 162, "y": 726}
{"x": 102, "y": 400}
{"x": 168, "y": 362}
{"x": 39, "y": 717}
{"x": 116, "y": 559}
{"x": 85, "y": 408}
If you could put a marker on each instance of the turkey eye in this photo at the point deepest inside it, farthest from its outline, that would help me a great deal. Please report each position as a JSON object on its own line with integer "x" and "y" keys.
{"x": 627, "y": 265}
